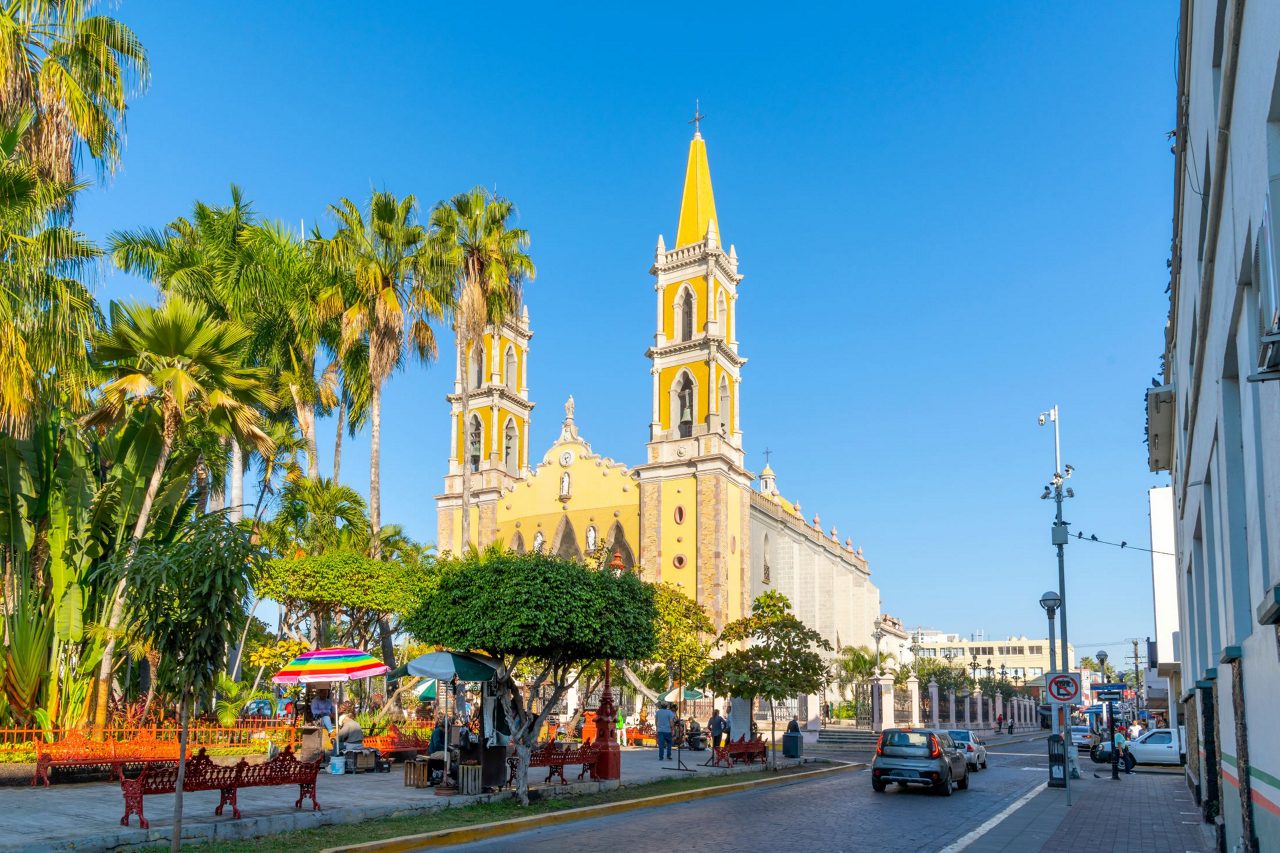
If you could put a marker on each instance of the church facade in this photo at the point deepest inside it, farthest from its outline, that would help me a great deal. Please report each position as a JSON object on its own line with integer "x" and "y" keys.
{"x": 690, "y": 513}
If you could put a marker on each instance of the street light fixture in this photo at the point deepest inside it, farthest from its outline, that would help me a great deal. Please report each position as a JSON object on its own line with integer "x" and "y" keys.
{"x": 877, "y": 634}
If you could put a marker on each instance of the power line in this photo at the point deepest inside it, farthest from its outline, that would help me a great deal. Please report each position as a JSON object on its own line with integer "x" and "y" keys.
{"x": 1080, "y": 537}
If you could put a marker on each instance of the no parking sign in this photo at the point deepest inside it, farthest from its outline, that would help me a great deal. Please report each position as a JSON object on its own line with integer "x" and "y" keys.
{"x": 1063, "y": 687}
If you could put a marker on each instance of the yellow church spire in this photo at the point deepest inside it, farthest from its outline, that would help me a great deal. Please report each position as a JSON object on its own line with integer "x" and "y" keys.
{"x": 698, "y": 204}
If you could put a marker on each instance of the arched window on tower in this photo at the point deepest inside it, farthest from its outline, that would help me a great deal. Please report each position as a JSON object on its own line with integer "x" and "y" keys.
{"x": 474, "y": 436}
{"x": 510, "y": 370}
{"x": 764, "y": 575}
{"x": 686, "y": 315}
{"x": 722, "y": 316}
{"x": 684, "y": 404}
{"x": 724, "y": 404}
{"x": 477, "y": 365}
{"x": 510, "y": 444}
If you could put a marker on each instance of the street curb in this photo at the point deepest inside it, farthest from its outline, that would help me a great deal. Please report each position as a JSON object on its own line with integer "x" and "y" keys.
{"x": 477, "y": 832}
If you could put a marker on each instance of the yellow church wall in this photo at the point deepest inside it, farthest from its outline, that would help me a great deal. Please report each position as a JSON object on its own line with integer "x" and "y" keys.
{"x": 679, "y": 538}
{"x": 697, "y": 369}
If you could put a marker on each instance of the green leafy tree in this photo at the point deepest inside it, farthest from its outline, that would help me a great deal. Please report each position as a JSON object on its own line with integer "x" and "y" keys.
{"x": 188, "y": 599}
{"x": 684, "y": 632}
{"x": 482, "y": 602}
{"x": 947, "y": 676}
{"x": 1091, "y": 663}
{"x": 184, "y": 365}
{"x": 780, "y": 658}
{"x": 480, "y": 260}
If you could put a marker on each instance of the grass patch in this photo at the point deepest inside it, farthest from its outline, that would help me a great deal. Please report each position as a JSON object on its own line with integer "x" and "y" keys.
{"x": 451, "y": 818}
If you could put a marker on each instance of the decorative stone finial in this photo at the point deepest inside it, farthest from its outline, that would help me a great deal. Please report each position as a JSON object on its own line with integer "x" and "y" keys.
{"x": 568, "y": 432}
{"x": 713, "y": 236}
{"x": 662, "y": 248}
{"x": 568, "y": 408}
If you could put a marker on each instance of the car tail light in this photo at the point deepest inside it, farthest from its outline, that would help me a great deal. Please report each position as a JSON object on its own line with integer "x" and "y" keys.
{"x": 935, "y": 748}
{"x": 969, "y": 747}
{"x": 880, "y": 746}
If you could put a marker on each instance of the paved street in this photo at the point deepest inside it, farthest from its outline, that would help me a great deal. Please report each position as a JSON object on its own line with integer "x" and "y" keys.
{"x": 1142, "y": 812}
{"x": 839, "y": 813}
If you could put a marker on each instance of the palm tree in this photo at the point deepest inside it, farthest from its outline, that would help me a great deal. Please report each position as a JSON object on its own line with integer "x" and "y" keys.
{"x": 316, "y": 513}
{"x": 47, "y": 315}
{"x": 482, "y": 260}
{"x": 204, "y": 260}
{"x": 288, "y": 284}
{"x": 384, "y": 261}
{"x": 182, "y": 364}
{"x": 384, "y": 295}
{"x": 76, "y": 72}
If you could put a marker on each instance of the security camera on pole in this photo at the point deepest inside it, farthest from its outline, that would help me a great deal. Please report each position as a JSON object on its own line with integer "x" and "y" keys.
{"x": 1058, "y": 536}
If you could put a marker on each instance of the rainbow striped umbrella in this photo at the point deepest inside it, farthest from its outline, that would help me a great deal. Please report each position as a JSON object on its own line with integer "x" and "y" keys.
{"x": 330, "y": 665}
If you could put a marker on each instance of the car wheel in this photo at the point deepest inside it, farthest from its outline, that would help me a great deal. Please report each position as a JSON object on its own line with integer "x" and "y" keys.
{"x": 984, "y": 764}
{"x": 877, "y": 786}
{"x": 973, "y": 766}
{"x": 963, "y": 784}
{"x": 946, "y": 790}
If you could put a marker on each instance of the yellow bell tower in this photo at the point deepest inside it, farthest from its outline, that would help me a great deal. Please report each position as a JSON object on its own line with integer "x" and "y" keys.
{"x": 694, "y": 490}
{"x": 489, "y": 437}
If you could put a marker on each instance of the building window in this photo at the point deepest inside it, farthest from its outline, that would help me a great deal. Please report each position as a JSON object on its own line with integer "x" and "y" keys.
{"x": 766, "y": 574}
{"x": 679, "y": 515}
{"x": 724, "y": 403}
{"x": 686, "y": 315}
{"x": 510, "y": 370}
{"x": 473, "y": 442}
{"x": 722, "y": 315}
{"x": 509, "y": 446}
{"x": 477, "y": 365}
{"x": 678, "y": 561}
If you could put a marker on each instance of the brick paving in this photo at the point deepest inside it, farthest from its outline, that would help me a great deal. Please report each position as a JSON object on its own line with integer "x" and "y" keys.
{"x": 1149, "y": 811}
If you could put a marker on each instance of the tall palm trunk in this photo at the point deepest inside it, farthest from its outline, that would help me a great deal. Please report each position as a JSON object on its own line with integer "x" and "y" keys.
{"x": 464, "y": 369}
{"x": 375, "y": 470}
{"x": 103, "y": 692}
{"x": 237, "y": 481}
{"x": 337, "y": 440}
{"x": 306, "y": 414}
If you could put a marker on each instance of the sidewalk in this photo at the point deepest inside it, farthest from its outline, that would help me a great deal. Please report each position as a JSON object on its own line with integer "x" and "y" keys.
{"x": 1150, "y": 811}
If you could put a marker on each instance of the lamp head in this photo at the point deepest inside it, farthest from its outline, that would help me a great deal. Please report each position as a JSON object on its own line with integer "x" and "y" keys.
{"x": 1050, "y": 601}
{"x": 1102, "y": 658}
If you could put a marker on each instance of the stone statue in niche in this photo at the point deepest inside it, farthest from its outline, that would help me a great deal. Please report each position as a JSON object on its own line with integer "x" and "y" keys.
{"x": 591, "y": 539}
{"x": 538, "y": 541}
{"x": 564, "y": 485}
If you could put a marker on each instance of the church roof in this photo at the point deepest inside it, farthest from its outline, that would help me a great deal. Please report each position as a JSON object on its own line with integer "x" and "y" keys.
{"x": 698, "y": 204}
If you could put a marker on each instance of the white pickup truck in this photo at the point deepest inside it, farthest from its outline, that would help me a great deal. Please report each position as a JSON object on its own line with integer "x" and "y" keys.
{"x": 1160, "y": 746}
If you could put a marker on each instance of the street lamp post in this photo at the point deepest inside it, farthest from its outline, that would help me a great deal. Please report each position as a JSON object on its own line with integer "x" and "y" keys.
{"x": 878, "y": 634}
{"x": 1111, "y": 724}
{"x": 1051, "y": 601}
{"x": 1059, "y": 531}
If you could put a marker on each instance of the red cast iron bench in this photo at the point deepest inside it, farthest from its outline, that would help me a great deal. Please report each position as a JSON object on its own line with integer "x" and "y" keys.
{"x": 396, "y": 740}
{"x": 203, "y": 774}
{"x": 554, "y": 757}
{"x": 737, "y": 752}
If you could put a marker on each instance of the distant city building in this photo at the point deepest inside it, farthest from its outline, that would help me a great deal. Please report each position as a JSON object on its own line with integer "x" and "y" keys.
{"x": 1022, "y": 657}
{"x": 1213, "y": 415}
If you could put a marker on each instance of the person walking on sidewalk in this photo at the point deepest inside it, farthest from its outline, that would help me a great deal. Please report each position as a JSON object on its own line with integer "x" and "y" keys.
{"x": 1121, "y": 746}
{"x": 662, "y": 721}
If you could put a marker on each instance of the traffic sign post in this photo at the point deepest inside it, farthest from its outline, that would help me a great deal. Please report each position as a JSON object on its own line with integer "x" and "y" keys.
{"x": 1063, "y": 687}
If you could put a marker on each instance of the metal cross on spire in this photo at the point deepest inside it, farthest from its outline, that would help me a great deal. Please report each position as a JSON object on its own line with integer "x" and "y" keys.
{"x": 767, "y": 454}
{"x": 697, "y": 117}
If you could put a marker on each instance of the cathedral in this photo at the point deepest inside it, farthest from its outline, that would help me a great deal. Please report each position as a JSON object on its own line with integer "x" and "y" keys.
{"x": 690, "y": 513}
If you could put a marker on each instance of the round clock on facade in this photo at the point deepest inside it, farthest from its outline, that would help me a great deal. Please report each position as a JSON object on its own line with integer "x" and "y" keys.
{"x": 566, "y": 458}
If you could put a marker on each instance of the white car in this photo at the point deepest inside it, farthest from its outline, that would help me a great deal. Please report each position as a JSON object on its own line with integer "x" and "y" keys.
{"x": 1083, "y": 736}
{"x": 1158, "y": 746}
{"x": 975, "y": 751}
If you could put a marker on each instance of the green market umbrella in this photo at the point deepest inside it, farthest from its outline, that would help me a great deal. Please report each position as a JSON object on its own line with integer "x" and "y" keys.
{"x": 428, "y": 691}
{"x": 688, "y": 694}
{"x": 443, "y": 666}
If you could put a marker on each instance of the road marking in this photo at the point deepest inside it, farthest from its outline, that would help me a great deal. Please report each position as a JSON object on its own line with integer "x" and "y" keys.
{"x": 991, "y": 823}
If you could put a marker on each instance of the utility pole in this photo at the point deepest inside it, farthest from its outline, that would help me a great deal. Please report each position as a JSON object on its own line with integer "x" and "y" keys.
{"x": 1058, "y": 538}
{"x": 1137, "y": 677}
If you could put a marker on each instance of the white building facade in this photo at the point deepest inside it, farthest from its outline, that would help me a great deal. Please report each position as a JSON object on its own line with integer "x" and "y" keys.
{"x": 1215, "y": 422}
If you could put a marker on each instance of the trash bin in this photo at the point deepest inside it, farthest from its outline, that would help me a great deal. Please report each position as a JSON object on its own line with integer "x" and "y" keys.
{"x": 1057, "y": 762}
{"x": 792, "y": 745}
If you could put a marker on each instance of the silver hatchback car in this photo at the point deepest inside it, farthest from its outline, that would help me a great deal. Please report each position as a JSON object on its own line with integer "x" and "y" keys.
{"x": 911, "y": 756}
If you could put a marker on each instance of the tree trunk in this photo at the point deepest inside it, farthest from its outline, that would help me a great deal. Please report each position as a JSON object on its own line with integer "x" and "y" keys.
{"x": 522, "y": 772}
{"x": 375, "y": 470}
{"x": 337, "y": 439}
{"x": 153, "y": 668}
{"x": 234, "y": 669}
{"x": 387, "y": 641}
{"x": 103, "y": 692}
{"x": 773, "y": 738}
{"x": 464, "y": 365}
{"x": 306, "y": 415}
{"x": 176, "y": 841}
{"x": 237, "y": 482}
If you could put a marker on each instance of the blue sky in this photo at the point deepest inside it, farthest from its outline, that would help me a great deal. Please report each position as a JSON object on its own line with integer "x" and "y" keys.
{"x": 950, "y": 217}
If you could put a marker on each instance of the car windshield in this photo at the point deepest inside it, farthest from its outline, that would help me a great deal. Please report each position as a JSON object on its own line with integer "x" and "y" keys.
{"x": 906, "y": 739}
{"x": 1081, "y": 729}
{"x": 960, "y": 735}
